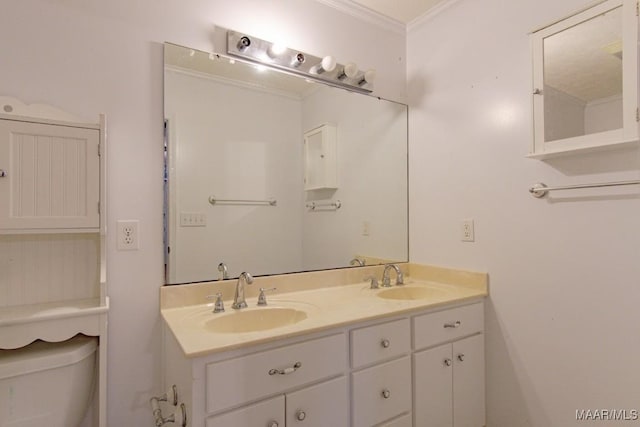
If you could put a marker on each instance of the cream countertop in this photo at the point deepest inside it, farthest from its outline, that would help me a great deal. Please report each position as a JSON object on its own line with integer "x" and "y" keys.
{"x": 330, "y": 299}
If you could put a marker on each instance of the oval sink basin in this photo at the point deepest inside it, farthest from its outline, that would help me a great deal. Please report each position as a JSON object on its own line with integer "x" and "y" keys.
{"x": 256, "y": 319}
{"x": 411, "y": 293}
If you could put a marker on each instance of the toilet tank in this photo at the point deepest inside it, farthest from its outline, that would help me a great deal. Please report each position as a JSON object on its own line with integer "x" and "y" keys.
{"x": 47, "y": 384}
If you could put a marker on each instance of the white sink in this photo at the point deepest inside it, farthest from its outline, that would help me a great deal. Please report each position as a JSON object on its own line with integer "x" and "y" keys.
{"x": 412, "y": 292}
{"x": 254, "y": 319}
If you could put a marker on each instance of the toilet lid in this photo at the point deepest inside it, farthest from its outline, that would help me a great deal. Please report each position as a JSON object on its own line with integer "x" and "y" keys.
{"x": 41, "y": 355}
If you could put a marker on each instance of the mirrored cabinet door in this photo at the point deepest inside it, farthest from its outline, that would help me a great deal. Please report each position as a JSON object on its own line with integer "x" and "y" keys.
{"x": 585, "y": 81}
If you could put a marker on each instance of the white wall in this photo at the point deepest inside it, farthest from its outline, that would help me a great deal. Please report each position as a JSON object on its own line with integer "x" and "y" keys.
{"x": 372, "y": 181}
{"x": 245, "y": 148}
{"x": 562, "y": 318}
{"x": 91, "y": 57}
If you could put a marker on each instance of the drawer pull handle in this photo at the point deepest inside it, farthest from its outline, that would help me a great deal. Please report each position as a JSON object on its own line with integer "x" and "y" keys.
{"x": 285, "y": 371}
{"x": 2, "y": 173}
{"x": 301, "y": 415}
{"x": 273, "y": 424}
{"x": 461, "y": 357}
{"x": 386, "y": 393}
{"x": 385, "y": 343}
{"x": 447, "y": 362}
{"x": 455, "y": 324}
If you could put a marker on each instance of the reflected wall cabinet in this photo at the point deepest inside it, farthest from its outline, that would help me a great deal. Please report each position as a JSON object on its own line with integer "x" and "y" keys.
{"x": 585, "y": 81}
{"x": 320, "y": 159}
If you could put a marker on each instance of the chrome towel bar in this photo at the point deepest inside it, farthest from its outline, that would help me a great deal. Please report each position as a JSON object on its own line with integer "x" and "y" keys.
{"x": 540, "y": 190}
{"x": 269, "y": 202}
{"x": 335, "y": 205}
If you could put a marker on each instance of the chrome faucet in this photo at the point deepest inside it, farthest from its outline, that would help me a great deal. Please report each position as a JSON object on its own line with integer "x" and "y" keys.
{"x": 386, "y": 281}
{"x": 222, "y": 268}
{"x": 357, "y": 261}
{"x": 238, "y": 299}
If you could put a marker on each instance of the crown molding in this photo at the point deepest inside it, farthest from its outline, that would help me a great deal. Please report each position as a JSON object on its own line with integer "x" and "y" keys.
{"x": 365, "y": 14}
{"x": 436, "y": 10}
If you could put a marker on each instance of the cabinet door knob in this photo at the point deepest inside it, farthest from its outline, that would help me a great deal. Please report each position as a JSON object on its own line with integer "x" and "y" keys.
{"x": 386, "y": 393}
{"x": 2, "y": 173}
{"x": 301, "y": 415}
{"x": 455, "y": 324}
{"x": 385, "y": 343}
{"x": 447, "y": 362}
{"x": 461, "y": 357}
{"x": 273, "y": 424}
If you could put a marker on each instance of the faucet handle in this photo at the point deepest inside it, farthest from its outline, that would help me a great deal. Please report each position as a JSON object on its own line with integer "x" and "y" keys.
{"x": 218, "y": 307}
{"x": 262, "y": 299}
{"x": 373, "y": 283}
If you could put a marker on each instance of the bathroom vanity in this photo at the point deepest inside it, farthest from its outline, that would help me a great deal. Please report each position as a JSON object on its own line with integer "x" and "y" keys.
{"x": 411, "y": 357}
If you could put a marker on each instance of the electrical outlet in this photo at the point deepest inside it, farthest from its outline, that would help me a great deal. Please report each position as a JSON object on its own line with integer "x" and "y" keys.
{"x": 366, "y": 228}
{"x": 127, "y": 235}
{"x": 468, "y": 234}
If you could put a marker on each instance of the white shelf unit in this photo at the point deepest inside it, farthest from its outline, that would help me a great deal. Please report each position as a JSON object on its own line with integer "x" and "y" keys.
{"x": 53, "y": 230}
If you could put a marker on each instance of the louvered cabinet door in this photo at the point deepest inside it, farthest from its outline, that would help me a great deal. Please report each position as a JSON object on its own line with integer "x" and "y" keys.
{"x": 49, "y": 177}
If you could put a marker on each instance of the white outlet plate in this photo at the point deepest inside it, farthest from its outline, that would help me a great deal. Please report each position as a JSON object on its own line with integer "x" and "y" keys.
{"x": 467, "y": 231}
{"x": 193, "y": 219}
{"x": 127, "y": 235}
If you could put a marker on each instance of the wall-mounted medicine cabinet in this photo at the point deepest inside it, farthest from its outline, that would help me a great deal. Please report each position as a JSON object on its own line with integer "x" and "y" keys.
{"x": 585, "y": 81}
{"x": 320, "y": 158}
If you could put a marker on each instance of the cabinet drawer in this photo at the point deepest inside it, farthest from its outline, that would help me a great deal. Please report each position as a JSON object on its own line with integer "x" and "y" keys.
{"x": 321, "y": 405}
{"x": 435, "y": 328}
{"x": 243, "y": 379}
{"x": 380, "y": 342}
{"x": 403, "y": 421}
{"x": 371, "y": 402}
{"x": 269, "y": 413}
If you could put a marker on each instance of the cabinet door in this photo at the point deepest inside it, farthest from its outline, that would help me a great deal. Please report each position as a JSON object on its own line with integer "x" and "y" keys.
{"x": 468, "y": 382}
{"x": 433, "y": 387}
{"x": 381, "y": 392}
{"x": 269, "y": 413}
{"x": 51, "y": 176}
{"x": 322, "y": 405}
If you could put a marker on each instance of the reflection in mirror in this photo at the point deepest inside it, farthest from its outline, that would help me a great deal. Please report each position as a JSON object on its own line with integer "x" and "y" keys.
{"x": 240, "y": 141}
{"x": 583, "y": 78}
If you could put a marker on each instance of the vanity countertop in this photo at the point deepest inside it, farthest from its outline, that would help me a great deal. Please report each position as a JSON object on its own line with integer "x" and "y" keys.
{"x": 322, "y": 307}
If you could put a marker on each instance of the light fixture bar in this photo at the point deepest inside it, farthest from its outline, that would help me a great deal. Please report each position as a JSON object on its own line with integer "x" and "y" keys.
{"x": 293, "y": 61}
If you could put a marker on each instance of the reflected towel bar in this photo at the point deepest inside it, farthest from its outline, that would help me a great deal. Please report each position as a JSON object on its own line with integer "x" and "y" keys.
{"x": 540, "y": 190}
{"x": 313, "y": 205}
{"x": 270, "y": 202}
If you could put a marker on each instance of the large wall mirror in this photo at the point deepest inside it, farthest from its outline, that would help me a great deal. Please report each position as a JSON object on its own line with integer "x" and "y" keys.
{"x": 585, "y": 79}
{"x": 271, "y": 173}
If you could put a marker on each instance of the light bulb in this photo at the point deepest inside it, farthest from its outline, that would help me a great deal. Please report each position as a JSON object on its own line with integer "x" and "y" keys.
{"x": 349, "y": 71}
{"x": 328, "y": 64}
{"x": 369, "y": 77}
{"x": 275, "y": 50}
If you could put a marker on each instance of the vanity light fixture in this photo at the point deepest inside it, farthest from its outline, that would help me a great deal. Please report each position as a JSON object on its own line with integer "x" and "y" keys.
{"x": 325, "y": 69}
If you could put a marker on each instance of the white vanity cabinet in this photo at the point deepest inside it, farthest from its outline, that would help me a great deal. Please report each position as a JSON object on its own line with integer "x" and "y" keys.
{"x": 421, "y": 369}
{"x": 320, "y": 405}
{"x": 449, "y": 382}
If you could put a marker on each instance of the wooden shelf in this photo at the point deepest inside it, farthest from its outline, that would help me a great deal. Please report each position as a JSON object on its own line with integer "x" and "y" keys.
{"x": 52, "y": 321}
